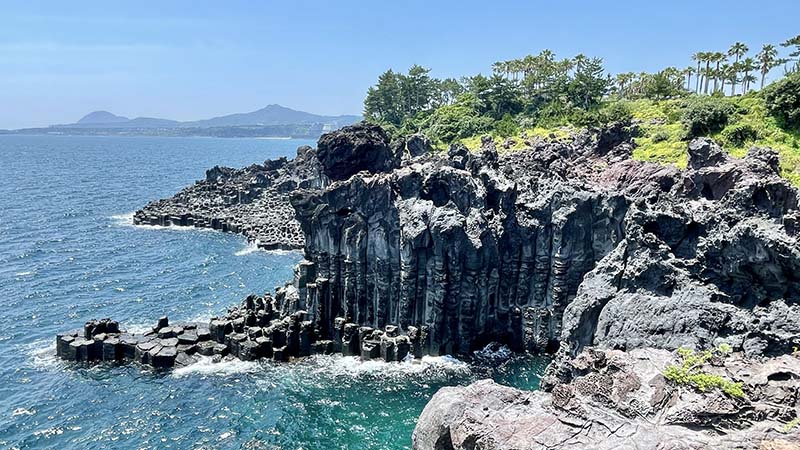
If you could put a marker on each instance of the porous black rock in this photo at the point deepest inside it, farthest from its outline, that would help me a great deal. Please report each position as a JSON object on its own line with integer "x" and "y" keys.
{"x": 356, "y": 148}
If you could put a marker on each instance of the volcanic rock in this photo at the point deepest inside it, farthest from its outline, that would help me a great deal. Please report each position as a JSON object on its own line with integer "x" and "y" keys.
{"x": 620, "y": 400}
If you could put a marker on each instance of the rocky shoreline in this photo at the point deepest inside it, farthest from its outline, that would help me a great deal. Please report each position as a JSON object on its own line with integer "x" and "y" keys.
{"x": 621, "y": 400}
{"x": 252, "y": 201}
{"x": 567, "y": 247}
{"x": 254, "y": 330}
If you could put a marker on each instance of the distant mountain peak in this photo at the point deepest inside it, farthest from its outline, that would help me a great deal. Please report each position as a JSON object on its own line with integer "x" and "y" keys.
{"x": 102, "y": 117}
{"x": 270, "y": 115}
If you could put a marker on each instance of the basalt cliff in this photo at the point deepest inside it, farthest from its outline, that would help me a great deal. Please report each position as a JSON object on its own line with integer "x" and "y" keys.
{"x": 569, "y": 247}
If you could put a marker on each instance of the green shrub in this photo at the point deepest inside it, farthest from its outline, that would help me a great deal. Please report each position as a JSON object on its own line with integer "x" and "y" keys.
{"x": 705, "y": 115}
{"x": 688, "y": 372}
{"x": 506, "y": 126}
{"x": 673, "y": 111}
{"x": 739, "y": 134}
{"x": 783, "y": 101}
{"x": 616, "y": 112}
{"x": 660, "y": 136}
{"x": 459, "y": 120}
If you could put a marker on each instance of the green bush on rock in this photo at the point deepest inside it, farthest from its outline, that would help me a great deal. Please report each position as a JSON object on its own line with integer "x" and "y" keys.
{"x": 783, "y": 101}
{"x": 660, "y": 136}
{"x": 739, "y": 134}
{"x": 705, "y": 115}
{"x": 689, "y": 373}
{"x": 506, "y": 127}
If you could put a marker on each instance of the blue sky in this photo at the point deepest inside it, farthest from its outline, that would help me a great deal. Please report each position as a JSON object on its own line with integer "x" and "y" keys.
{"x": 190, "y": 60}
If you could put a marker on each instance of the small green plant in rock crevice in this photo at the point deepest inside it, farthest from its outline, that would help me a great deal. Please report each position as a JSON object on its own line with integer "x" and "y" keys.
{"x": 789, "y": 426}
{"x": 689, "y": 373}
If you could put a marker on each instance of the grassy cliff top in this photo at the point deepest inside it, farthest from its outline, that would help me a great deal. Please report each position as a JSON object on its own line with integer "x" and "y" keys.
{"x": 663, "y": 136}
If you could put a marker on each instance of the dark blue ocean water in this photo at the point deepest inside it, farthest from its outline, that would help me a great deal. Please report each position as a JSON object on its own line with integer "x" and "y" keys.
{"x": 68, "y": 253}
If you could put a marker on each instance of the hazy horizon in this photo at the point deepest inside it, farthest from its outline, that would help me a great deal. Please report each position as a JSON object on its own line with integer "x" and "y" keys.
{"x": 189, "y": 61}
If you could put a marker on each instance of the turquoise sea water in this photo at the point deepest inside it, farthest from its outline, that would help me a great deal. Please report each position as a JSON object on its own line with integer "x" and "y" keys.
{"x": 68, "y": 253}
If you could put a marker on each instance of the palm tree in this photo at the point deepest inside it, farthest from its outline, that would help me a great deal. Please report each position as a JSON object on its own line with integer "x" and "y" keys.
{"x": 698, "y": 56}
{"x": 738, "y": 50}
{"x": 497, "y": 68}
{"x": 706, "y": 58}
{"x": 515, "y": 67}
{"x": 688, "y": 73}
{"x": 729, "y": 72}
{"x": 766, "y": 60}
{"x": 717, "y": 57}
{"x": 747, "y": 65}
{"x": 793, "y": 42}
{"x": 623, "y": 80}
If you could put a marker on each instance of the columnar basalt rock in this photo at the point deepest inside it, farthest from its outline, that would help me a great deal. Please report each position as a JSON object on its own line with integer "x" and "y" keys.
{"x": 163, "y": 346}
{"x": 567, "y": 244}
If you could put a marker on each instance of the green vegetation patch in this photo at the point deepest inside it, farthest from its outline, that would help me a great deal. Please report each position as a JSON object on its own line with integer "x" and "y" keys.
{"x": 789, "y": 426}
{"x": 689, "y": 373}
{"x": 543, "y": 95}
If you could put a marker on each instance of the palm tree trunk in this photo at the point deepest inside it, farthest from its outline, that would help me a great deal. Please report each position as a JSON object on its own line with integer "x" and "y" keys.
{"x": 763, "y": 75}
{"x": 697, "y": 81}
{"x": 708, "y": 68}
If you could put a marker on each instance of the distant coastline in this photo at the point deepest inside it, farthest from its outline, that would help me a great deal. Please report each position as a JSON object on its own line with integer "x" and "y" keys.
{"x": 298, "y": 131}
{"x": 271, "y": 122}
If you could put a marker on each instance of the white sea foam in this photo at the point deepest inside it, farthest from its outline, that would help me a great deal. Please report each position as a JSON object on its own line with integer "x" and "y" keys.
{"x": 138, "y": 327}
{"x": 250, "y": 248}
{"x": 206, "y": 366}
{"x": 354, "y": 366}
{"x": 123, "y": 219}
{"x": 23, "y": 274}
{"x": 42, "y": 354}
{"x": 23, "y": 412}
{"x": 326, "y": 365}
{"x": 126, "y": 220}
{"x": 494, "y": 352}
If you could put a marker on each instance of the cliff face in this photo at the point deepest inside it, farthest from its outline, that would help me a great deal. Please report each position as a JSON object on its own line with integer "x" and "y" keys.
{"x": 568, "y": 243}
{"x": 440, "y": 244}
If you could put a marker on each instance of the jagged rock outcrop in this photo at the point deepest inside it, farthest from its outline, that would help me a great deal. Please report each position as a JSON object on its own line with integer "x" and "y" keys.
{"x": 165, "y": 345}
{"x": 477, "y": 247}
{"x": 355, "y": 148}
{"x": 618, "y": 400}
{"x": 252, "y": 201}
